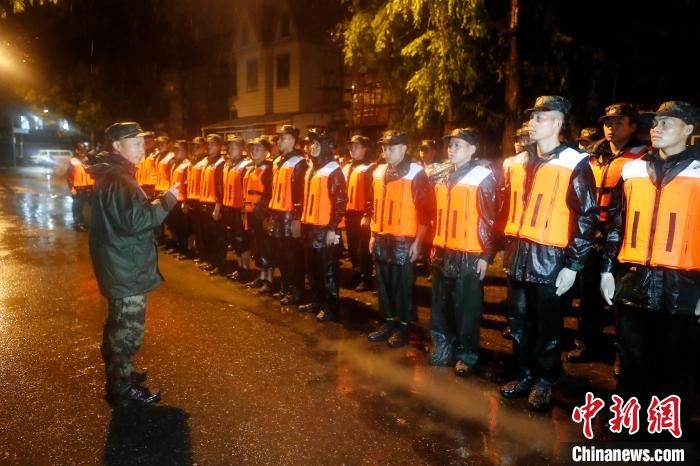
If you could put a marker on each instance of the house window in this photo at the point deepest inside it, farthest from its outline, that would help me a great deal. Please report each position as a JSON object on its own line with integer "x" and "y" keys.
{"x": 283, "y": 70}
{"x": 284, "y": 25}
{"x": 252, "y": 76}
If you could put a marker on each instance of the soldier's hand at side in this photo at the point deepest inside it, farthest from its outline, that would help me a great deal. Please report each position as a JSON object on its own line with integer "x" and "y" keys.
{"x": 413, "y": 252}
{"x": 364, "y": 223}
{"x": 371, "y": 244}
{"x": 607, "y": 288}
{"x": 481, "y": 268}
{"x": 565, "y": 280}
{"x": 296, "y": 229}
{"x": 73, "y": 192}
{"x": 175, "y": 190}
{"x": 331, "y": 238}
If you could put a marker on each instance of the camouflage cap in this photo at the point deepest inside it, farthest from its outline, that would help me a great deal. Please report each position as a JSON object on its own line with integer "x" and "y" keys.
{"x": 289, "y": 129}
{"x": 271, "y": 138}
{"x": 215, "y": 138}
{"x": 163, "y": 139}
{"x": 199, "y": 140}
{"x": 318, "y": 134}
{"x": 589, "y": 135}
{"x": 551, "y": 103}
{"x": 180, "y": 143}
{"x": 677, "y": 109}
{"x": 260, "y": 141}
{"x": 364, "y": 140}
{"x": 470, "y": 135}
{"x": 620, "y": 110}
{"x": 124, "y": 130}
{"x": 392, "y": 137}
{"x": 235, "y": 139}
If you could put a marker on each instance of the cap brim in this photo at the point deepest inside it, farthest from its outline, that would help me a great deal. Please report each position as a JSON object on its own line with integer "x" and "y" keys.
{"x": 539, "y": 109}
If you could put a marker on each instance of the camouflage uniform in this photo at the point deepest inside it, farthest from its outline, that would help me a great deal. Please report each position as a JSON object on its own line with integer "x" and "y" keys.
{"x": 122, "y": 338}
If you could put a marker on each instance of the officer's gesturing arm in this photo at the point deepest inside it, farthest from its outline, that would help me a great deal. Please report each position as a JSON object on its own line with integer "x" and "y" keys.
{"x": 131, "y": 211}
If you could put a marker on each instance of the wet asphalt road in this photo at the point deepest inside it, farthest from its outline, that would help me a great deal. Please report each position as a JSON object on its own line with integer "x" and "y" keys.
{"x": 244, "y": 380}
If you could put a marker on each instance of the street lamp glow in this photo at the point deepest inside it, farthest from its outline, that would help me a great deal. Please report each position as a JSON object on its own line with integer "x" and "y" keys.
{"x": 6, "y": 61}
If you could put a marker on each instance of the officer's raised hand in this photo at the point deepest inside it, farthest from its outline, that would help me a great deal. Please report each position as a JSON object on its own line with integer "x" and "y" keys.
{"x": 607, "y": 287}
{"x": 565, "y": 280}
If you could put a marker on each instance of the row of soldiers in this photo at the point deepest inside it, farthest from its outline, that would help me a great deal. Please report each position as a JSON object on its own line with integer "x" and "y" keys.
{"x": 620, "y": 219}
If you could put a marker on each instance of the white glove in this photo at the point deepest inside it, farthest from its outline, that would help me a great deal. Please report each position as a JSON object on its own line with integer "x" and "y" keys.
{"x": 565, "y": 280}
{"x": 607, "y": 287}
{"x": 697, "y": 310}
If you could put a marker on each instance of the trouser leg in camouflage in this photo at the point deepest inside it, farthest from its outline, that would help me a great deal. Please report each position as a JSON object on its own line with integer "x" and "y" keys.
{"x": 122, "y": 338}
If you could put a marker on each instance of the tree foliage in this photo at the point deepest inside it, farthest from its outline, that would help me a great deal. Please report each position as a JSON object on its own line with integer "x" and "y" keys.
{"x": 438, "y": 53}
{"x": 9, "y": 7}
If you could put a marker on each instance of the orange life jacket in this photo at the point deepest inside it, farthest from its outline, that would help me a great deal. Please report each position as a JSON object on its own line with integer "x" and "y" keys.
{"x": 282, "y": 184}
{"x": 357, "y": 187}
{"x": 81, "y": 178}
{"x": 163, "y": 178}
{"x": 180, "y": 174}
{"x": 545, "y": 219}
{"x": 661, "y": 224}
{"x": 194, "y": 179}
{"x": 253, "y": 187}
{"x": 234, "y": 196}
{"x": 150, "y": 171}
{"x": 317, "y": 202}
{"x": 394, "y": 209}
{"x": 208, "y": 193}
{"x": 457, "y": 225}
{"x": 607, "y": 177}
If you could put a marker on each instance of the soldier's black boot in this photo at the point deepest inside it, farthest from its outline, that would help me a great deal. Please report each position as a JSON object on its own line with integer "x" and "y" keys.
{"x": 325, "y": 315}
{"x": 400, "y": 336}
{"x": 292, "y": 298}
{"x": 517, "y": 388}
{"x": 441, "y": 352}
{"x": 382, "y": 333}
{"x": 540, "y": 398}
{"x": 134, "y": 395}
